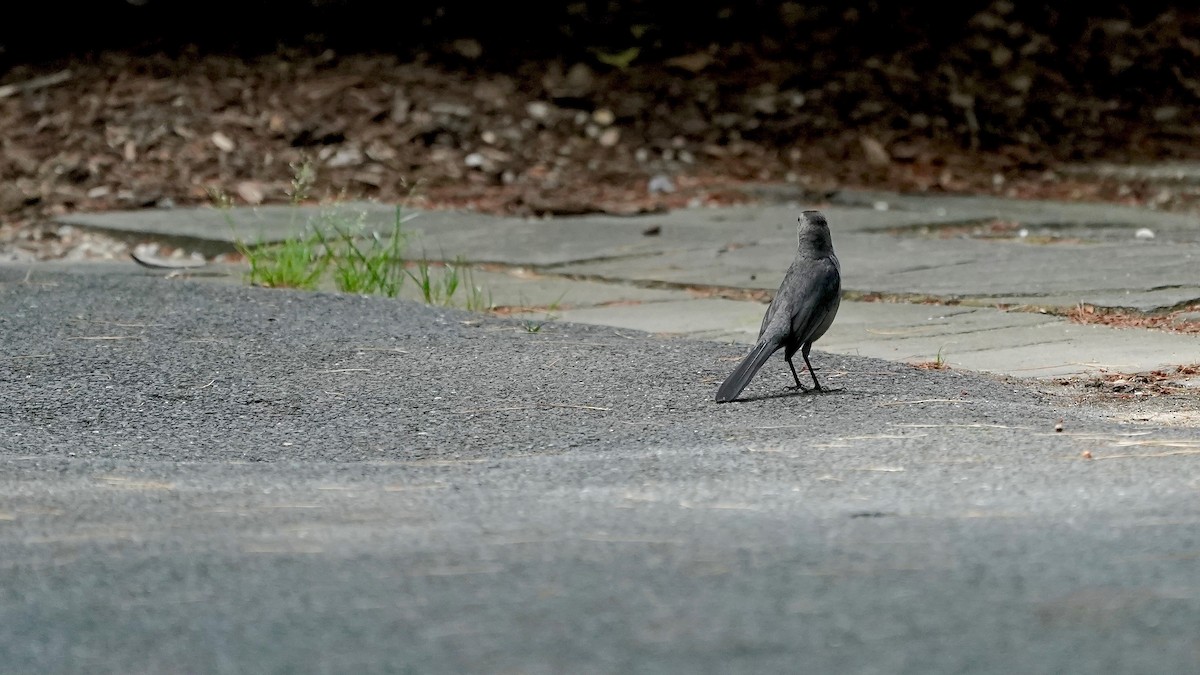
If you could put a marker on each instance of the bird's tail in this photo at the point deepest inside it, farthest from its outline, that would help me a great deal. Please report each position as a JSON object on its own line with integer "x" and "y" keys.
{"x": 741, "y": 376}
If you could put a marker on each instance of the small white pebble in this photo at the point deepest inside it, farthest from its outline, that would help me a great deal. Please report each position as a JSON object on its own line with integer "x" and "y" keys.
{"x": 538, "y": 110}
{"x": 660, "y": 183}
{"x": 610, "y": 137}
{"x": 1144, "y": 233}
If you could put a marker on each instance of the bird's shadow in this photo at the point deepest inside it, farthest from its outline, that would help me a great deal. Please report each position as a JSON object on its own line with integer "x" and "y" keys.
{"x": 789, "y": 394}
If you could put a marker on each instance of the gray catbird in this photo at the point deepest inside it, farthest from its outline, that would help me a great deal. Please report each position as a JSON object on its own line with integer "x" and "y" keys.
{"x": 802, "y": 310}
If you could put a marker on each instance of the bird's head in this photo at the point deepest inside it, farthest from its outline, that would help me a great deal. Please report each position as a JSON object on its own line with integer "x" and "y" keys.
{"x": 813, "y": 234}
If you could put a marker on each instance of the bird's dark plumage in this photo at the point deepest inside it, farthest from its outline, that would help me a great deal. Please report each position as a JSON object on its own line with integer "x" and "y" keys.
{"x": 801, "y": 311}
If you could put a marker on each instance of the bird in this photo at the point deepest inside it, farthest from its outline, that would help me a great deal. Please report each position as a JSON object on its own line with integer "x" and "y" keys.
{"x": 802, "y": 310}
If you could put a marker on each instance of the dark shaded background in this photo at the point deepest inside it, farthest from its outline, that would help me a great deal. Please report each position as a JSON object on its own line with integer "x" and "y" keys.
{"x": 1078, "y": 77}
{"x": 163, "y": 101}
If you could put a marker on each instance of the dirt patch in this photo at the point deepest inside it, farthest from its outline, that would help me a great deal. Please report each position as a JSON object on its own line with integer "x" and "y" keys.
{"x": 1168, "y": 396}
{"x": 1177, "y": 321}
{"x": 617, "y": 108}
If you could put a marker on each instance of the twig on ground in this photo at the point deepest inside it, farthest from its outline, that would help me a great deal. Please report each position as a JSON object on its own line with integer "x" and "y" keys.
{"x": 532, "y": 407}
{"x": 927, "y": 400}
{"x": 1149, "y": 455}
{"x": 35, "y": 83}
{"x": 958, "y": 426}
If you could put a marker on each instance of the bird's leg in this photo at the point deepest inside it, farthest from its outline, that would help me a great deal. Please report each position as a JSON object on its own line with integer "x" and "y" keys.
{"x": 795, "y": 376}
{"x": 804, "y": 353}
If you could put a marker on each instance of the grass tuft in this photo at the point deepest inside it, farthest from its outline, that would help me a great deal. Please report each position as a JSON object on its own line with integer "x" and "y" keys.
{"x": 337, "y": 247}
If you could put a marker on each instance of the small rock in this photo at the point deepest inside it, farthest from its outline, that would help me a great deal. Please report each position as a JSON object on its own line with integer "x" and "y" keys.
{"x": 1021, "y": 83}
{"x": 1144, "y": 233}
{"x": 400, "y": 108}
{"x": 98, "y": 192}
{"x": 12, "y": 197}
{"x": 372, "y": 175}
{"x": 250, "y": 192}
{"x": 726, "y": 120}
{"x": 348, "y": 156}
{"x": 693, "y": 63}
{"x": 495, "y": 155}
{"x": 580, "y": 78}
{"x": 450, "y": 109}
{"x": 962, "y": 99}
{"x": 381, "y": 152}
{"x": 223, "y": 142}
{"x": 766, "y": 104}
{"x": 538, "y": 110}
{"x": 603, "y": 116}
{"x": 468, "y": 48}
{"x": 660, "y": 184}
{"x": 475, "y": 160}
{"x": 1166, "y": 113}
{"x": 1001, "y": 56}
{"x": 610, "y": 137}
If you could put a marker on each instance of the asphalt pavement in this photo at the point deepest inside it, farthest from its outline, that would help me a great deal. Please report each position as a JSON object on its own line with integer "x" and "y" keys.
{"x": 203, "y": 477}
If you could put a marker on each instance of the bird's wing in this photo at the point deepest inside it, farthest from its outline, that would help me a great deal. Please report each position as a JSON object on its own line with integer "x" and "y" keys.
{"x": 805, "y": 299}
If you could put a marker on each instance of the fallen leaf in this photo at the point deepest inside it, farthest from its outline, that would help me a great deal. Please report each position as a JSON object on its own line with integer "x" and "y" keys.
{"x": 693, "y": 63}
{"x": 874, "y": 151}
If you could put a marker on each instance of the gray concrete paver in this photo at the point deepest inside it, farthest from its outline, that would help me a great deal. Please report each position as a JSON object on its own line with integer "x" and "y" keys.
{"x": 607, "y": 269}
